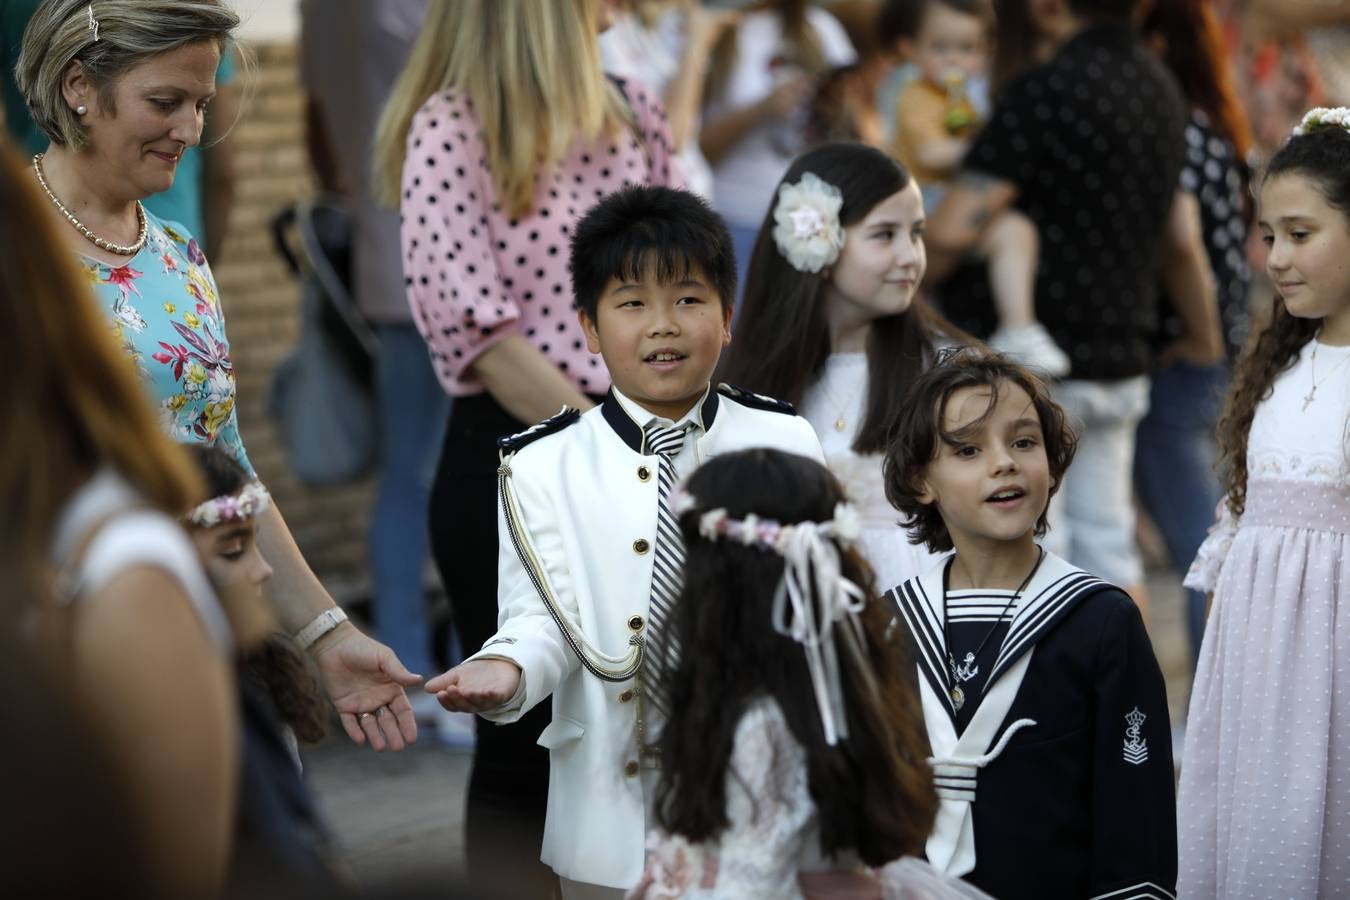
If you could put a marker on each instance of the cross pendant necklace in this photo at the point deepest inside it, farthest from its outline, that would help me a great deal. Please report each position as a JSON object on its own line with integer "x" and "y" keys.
{"x": 1312, "y": 376}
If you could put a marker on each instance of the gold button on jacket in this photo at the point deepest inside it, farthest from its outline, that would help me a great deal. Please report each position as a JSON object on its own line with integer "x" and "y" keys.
{"x": 641, "y": 545}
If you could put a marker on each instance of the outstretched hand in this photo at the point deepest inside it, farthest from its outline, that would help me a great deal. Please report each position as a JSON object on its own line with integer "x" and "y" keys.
{"x": 479, "y": 685}
{"x": 365, "y": 681}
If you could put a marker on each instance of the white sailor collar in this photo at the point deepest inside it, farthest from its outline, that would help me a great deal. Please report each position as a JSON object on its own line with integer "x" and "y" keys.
{"x": 1055, "y": 589}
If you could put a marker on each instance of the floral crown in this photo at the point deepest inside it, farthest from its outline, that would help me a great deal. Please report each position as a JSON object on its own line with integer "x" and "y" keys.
{"x": 1323, "y": 117}
{"x": 248, "y": 503}
{"x": 806, "y": 227}
{"x": 811, "y": 560}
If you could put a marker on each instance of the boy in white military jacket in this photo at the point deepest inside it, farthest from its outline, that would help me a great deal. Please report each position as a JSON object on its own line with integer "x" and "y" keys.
{"x": 1044, "y": 705}
{"x": 586, "y": 566}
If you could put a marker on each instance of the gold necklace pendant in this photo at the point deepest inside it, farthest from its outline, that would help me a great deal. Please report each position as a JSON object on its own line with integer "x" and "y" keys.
{"x": 958, "y": 696}
{"x": 839, "y": 424}
{"x": 101, "y": 243}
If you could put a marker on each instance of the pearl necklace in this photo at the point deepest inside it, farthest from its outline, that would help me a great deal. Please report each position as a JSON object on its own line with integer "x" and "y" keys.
{"x": 102, "y": 244}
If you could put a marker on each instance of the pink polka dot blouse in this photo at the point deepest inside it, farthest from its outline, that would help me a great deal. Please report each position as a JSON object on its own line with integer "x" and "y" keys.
{"x": 473, "y": 274}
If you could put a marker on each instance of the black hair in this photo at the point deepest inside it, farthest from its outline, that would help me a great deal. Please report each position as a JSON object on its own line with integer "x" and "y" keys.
{"x": 1322, "y": 155}
{"x": 920, "y": 434}
{"x": 640, "y": 228}
{"x": 873, "y": 790}
{"x": 222, "y": 472}
{"x": 904, "y": 18}
{"x": 277, "y": 666}
{"x": 783, "y": 338}
{"x": 1105, "y": 10}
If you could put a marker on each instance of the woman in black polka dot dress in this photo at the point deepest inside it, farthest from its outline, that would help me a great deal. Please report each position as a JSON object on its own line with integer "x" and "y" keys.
{"x": 1175, "y": 452}
{"x": 500, "y": 134}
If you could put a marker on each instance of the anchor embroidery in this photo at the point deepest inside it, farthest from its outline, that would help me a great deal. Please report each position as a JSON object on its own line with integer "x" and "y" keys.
{"x": 1136, "y": 746}
{"x": 966, "y": 670}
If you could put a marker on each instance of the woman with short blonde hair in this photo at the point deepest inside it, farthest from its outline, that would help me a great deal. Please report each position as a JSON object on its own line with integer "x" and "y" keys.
{"x": 502, "y": 131}
{"x": 121, "y": 88}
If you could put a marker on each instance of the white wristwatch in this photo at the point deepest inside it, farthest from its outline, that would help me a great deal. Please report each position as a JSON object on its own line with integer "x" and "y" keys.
{"x": 323, "y": 623}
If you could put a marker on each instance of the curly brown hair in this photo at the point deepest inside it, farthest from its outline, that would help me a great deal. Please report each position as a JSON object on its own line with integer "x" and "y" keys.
{"x": 919, "y": 434}
{"x": 1323, "y": 157}
{"x": 873, "y": 791}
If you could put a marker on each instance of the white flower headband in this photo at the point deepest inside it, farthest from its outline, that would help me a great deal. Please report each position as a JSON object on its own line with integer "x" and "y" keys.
{"x": 811, "y": 560}
{"x": 806, "y": 223}
{"x": 248, "y": 503}
{"x": 1323, "y": 117}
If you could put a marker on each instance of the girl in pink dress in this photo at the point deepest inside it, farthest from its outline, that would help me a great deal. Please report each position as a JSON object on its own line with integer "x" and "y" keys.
{"x": 1264, "y": 803}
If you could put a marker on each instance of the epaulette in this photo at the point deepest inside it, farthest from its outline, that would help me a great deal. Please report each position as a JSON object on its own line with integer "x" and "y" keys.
{"x": 513, "y": 442}
{"x": 755, "y": 401}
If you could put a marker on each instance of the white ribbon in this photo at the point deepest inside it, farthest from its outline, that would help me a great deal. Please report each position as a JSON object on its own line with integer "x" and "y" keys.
{"x": 811, "y": 568}
{"x": 812, "y": 561}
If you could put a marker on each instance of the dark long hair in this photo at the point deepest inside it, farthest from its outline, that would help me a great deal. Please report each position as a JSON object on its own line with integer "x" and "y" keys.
{"x": 873, "y": 790}
{"x": 1323, "y": 157}
{"x": 277, "y": 666}
{"x": 1194, "y": 51}
{"x": 783, "y": 339}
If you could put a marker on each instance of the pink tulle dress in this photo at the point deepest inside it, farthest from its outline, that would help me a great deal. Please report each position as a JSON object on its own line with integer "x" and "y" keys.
{"x": 1264, "y": 802}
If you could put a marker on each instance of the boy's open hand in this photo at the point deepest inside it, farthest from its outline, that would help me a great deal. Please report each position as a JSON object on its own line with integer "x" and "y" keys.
{"x": 480, "y": 685}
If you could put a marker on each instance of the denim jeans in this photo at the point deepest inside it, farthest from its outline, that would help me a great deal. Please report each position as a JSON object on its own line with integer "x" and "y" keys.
{"x": 1174, "y": 467}
{"x": 413, "y": 409}
{"x": 743, "y": 242}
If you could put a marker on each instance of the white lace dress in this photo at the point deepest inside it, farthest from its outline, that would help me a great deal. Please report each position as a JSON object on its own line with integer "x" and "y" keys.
{"x": 770, "y": 849}
{"x": 1264, "y": 802}
{"x": 839, "y": 397}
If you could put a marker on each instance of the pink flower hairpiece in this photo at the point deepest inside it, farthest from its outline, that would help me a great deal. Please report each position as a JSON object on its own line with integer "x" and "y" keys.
{"x": 247, "y": 504}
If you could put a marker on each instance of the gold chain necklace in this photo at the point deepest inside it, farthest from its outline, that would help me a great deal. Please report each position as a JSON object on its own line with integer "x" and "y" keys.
{"x": 102, "y": 244}
{"x": 840, "y": 422}
{"x": 1312, "y": 376}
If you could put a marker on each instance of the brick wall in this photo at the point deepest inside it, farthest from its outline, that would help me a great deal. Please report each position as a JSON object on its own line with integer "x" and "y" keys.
{"x": 261, "y": 302}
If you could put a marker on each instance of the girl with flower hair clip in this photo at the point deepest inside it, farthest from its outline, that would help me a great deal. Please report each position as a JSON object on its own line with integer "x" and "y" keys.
{"x": 832, "y": 322}
{"x": 278, "y": 829}
{"x": 1265, "y": 776}
{"x": 793, "y": 759}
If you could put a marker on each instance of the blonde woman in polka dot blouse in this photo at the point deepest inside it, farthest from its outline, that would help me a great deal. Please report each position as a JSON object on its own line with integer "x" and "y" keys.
{"x": 491, "y": 161}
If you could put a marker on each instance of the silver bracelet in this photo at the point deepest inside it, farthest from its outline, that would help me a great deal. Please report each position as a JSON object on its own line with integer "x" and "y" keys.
{"x": 323, "y": 623}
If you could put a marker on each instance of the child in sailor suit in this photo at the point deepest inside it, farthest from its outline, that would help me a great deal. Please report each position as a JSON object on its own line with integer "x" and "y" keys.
{"x": 580, "y": 517}
{"x": 1044, "y": 705}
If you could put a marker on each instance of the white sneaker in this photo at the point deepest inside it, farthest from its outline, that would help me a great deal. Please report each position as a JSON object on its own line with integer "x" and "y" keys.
{"x": 426, "y": 708}
{"x": 1032, "y": 346}
{"x": 454, "y": 729}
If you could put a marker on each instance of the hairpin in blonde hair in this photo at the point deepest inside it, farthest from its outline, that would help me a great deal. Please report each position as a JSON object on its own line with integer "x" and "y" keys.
{"x": 93, "y": 23}
{"x": 248, "y": 503}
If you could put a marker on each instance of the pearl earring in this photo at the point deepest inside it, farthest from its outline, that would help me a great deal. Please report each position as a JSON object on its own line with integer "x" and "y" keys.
{"x": 81, "y": 110}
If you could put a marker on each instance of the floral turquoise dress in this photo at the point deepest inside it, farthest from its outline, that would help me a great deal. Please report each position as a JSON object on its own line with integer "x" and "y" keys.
{"x": 165, "y": 311}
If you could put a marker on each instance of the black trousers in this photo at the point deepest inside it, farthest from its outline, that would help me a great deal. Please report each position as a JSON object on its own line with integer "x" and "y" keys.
{"x": 508, "y": 787}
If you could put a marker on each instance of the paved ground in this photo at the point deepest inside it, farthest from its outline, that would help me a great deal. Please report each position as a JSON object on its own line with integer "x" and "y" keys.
{"x": 399, "y": 817}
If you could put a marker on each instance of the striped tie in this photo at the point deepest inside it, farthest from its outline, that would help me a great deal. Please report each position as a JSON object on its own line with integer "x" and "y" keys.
{"x": 667, "y": 567}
